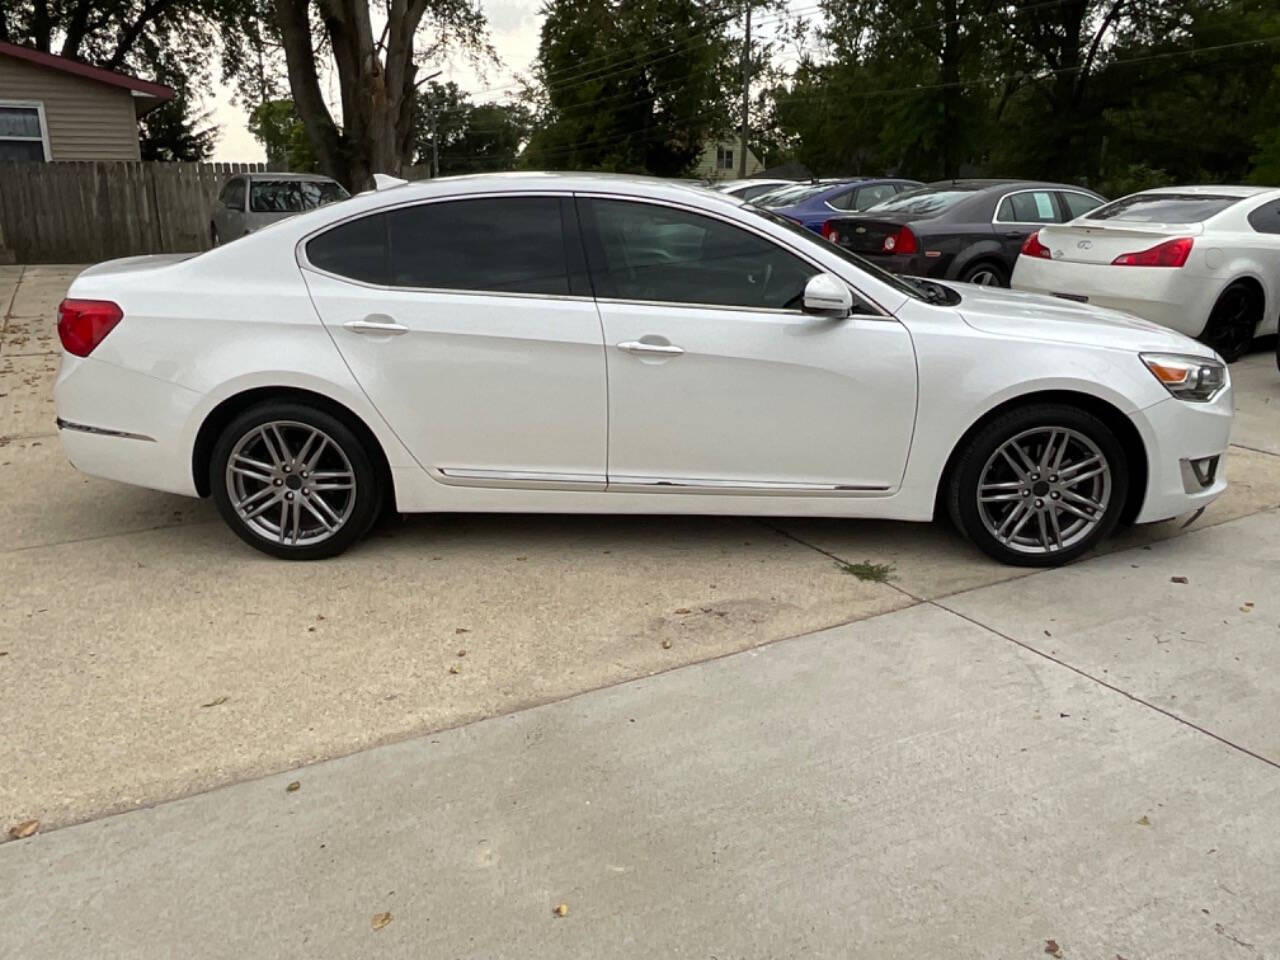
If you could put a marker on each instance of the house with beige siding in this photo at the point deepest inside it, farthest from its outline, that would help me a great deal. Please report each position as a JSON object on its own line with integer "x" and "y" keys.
{"x": 54, "y": 108}
{"x": 719, "y": 161}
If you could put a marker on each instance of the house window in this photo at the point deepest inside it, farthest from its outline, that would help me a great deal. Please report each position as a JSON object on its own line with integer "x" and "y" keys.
{"x": 23, "y": 134}
{"x": 724, "y": 158}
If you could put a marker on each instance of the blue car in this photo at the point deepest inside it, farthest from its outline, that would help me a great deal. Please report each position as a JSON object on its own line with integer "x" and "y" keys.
{"x": 813, "y": 204}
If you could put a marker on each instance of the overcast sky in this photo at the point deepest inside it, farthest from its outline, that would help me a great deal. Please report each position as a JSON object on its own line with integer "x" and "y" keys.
{"x": 513, "y": 30}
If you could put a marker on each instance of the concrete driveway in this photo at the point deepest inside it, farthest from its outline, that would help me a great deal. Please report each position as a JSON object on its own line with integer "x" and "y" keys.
{"x": 146, "y": 654}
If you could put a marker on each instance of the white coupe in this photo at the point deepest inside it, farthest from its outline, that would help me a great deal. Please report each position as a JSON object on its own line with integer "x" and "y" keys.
{"x": 1201, "y": 260}
{"x": 594, "y": 344}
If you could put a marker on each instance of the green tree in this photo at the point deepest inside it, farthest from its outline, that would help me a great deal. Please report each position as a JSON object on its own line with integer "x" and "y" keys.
{"x": 635, "y": 86}
{"x": 276, "y": 125}
{"x": 176, "y": 130}
{"x": 470, "y": 138}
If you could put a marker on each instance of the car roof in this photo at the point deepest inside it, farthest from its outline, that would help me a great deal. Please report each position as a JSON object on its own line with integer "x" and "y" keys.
{"x": 284, "y": 175}
{"x": 980, "y": 183}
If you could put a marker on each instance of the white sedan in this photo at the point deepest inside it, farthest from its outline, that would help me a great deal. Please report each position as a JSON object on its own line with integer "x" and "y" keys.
{"x": 593, "y": 344}
{"x": 1201, "y": 260}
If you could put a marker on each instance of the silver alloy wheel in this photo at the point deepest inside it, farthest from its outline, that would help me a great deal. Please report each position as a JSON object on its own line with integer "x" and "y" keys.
{"x": 1044, "y": 490}
{"x": 290, "y": 483}
{"x": 985, "y": 277}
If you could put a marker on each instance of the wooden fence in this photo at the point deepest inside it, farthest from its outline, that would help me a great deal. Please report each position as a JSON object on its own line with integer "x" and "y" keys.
{"x": 85, "y": 212}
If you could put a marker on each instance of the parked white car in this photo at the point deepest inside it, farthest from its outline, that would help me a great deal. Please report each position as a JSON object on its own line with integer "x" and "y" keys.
{"x": 593, "y": 344}
{"x": 751, "y": 187}
{"x": 1201, "y": 260}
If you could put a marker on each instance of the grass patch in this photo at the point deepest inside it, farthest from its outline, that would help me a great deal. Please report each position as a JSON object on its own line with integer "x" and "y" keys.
{"x": 875, "y": 572}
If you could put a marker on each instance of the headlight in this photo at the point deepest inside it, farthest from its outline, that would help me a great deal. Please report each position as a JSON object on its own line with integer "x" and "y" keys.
{"x": 1187, "y": 378}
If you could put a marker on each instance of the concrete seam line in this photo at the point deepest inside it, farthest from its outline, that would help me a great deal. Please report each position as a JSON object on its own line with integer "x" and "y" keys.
{"x": 1245, "y": 446}
{"x": 1108, "y": 685}
{"x": 107, "y": 536}
{"x": 13, "y": 298}
{"x": 839, "y": 560}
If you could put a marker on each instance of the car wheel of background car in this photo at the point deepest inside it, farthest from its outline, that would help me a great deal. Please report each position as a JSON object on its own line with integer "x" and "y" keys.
{"x": 294, "y": 481}
{"x": 985, "y": 274}
{"x": 213, "y": 236}
{"x": 1233, "y": 321}
{"x": 1040, "y": 485}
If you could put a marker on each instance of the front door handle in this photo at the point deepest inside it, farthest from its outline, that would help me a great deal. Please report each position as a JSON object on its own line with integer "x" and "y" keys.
{"x": 639, "y": 346}
{"x": 383, "y": 328}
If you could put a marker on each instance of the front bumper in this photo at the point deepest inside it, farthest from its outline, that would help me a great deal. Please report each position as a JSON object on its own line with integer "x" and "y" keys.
{"x": 1182, "y": 440}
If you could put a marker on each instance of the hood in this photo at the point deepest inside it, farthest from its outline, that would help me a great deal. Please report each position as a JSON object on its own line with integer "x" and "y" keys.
{"x": 1012, "y": 313}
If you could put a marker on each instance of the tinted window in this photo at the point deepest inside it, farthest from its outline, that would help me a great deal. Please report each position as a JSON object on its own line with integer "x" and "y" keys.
{"x": 662, "y": 254}
{"x": 870, "y": 196}
{"x": 355, "y": 249}
{"x": 292, "y": 196}
{"x": 924, "y": 201}
{"x": 1164, "y": 208}
{"x": 1266, "y": 219}
{"x": 756, "y": 190}
{"x": 1079, "y": 204}
{"x": 1029, "y": 206}
{"x": 502, "y": 244}
{"x": 233, "y": 194}
{"x": 791, "y": 195}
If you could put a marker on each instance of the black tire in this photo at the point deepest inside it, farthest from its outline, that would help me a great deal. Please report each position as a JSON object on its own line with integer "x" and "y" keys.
{"x": 351, "y": 513}
{"x": 214, "y": 239}
{"x": 1233, "y": 322}
{"x": 989, "y": 272}
{"x": 1081, "y": 429}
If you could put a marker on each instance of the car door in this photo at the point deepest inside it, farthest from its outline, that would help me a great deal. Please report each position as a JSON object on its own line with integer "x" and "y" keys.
{"x": 718, "y": 382}
{"x": 1020, "y": 213}
{"x": 470, "y": 325}
{"x": 233, "y": 217}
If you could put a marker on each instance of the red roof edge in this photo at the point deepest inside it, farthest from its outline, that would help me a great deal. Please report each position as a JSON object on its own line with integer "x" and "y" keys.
{"x": 102, "y": 75}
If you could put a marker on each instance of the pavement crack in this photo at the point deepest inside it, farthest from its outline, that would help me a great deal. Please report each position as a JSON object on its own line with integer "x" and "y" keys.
{"x": 1108, "y": 685}
{"x": 1245, "y": 446}
{"x": 836, "y": 557}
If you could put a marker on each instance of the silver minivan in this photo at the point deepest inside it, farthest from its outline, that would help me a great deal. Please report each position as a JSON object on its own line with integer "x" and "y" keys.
{"x": 249, "y": 201}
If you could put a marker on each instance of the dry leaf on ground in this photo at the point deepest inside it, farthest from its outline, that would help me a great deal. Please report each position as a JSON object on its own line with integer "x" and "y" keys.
{"x": 293, "y": 787}
{"x": 1177, "y": 579}
{"x": 380, "y": 920}
{"x": 26, "y": 828}
{"x": 1145, "y": 821}
{"x": 561, "y": 909}
{"x": 1051, "y": 947}
{"x": 216, "y": 702}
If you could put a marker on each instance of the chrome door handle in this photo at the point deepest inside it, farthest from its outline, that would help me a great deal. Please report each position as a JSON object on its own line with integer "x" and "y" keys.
{"x": 383, "y": 327}
{"x": 639, "y": 346}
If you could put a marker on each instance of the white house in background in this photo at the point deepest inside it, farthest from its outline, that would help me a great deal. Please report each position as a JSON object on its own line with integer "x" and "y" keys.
{"x": 719, "y": 161}
{"x": 54, "y": 108}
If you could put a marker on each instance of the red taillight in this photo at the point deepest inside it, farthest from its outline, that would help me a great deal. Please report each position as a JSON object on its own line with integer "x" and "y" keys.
{"x": 904, "y": 241}
{"x": 82, "y": 324}
{"x": 1032, "y": 247}
{"x": 828, "y": 233}
{"x": 1171, "y": 253}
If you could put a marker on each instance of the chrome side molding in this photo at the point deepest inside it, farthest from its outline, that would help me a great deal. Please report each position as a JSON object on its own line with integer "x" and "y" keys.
{"x": 103, "y": 431}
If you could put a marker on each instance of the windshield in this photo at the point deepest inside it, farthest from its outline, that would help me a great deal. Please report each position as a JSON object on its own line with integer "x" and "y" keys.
{"x": 924, "y": 201}
{"x": 866, "y": 266}
{"x": 293, "y": 196}
{"x": 1163, "y": 208}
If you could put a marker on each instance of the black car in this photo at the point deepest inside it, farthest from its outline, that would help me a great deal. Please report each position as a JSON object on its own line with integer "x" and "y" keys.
{"x": 970, "y": 230}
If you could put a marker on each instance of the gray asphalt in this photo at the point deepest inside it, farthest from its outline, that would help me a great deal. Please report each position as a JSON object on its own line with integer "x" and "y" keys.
{"x": 1086, "y": 756}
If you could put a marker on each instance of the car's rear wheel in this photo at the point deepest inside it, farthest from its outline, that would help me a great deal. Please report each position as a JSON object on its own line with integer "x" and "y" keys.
{"x": 1040, "y": 485}
{"x": 985, "y": 274}
{"x": 294, "y": 481}
{"x": 1233, "y": 322}
{"x": 214, "y": 239}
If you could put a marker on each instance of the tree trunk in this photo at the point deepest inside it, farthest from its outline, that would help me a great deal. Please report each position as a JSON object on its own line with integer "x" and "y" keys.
{"x": 376, "y": 96}
{"x": 951, "y": 92}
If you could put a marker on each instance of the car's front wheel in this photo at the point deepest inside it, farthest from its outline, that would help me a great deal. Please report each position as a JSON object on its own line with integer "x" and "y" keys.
{"x": 985, "y": 274}
{"x": 294, "y": 481}
{"x": 1039, "y": 485}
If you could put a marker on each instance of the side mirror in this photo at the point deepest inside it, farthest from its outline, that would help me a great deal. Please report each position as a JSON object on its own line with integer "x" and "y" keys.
{"x": 826, "y": 295}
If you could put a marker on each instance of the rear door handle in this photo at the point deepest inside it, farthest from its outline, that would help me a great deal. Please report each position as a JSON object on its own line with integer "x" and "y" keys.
{"x": 639, "y": 346}
{"x": 383, "y": 328}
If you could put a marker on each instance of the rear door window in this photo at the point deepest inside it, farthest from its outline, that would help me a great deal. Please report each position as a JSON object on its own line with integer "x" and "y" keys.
{"x": 1164, "y": 208}
{"x": 487, "y": 245}
{"x": 233, "y": 194}
{"x": 870, "y": 196}
{"x": 1028, "y": 206}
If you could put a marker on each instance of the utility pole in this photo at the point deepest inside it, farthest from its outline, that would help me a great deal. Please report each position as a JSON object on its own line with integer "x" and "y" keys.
{"x": 434, "y": 167}
{"x": 746, "y": 96}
